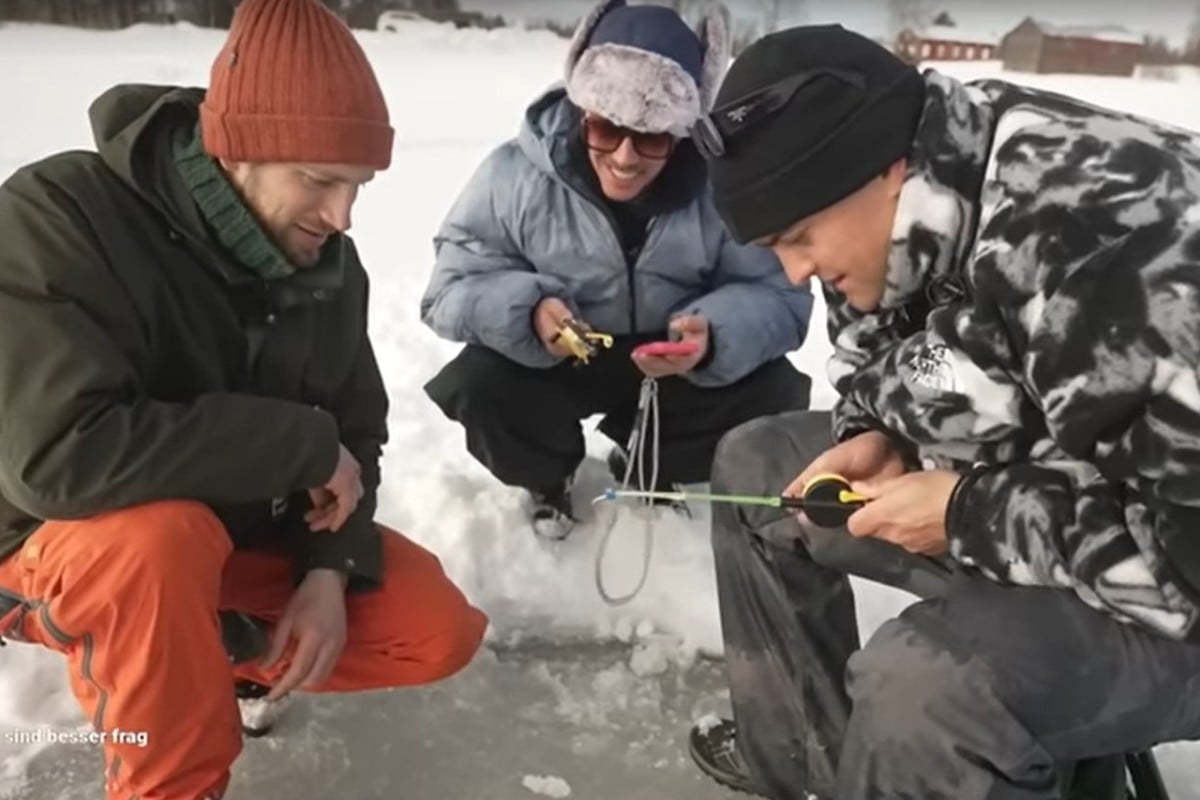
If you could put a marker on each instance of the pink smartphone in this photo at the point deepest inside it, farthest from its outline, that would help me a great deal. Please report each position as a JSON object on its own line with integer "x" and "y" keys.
{"x": 665, "y": 349}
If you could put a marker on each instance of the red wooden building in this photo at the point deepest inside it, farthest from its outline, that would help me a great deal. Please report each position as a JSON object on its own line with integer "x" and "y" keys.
{"x": 1036, "y": 46}
{"x": 944, "y": 43}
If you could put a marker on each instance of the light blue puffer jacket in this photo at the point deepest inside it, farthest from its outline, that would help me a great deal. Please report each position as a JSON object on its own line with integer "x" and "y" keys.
{"x": 520, "y": 232}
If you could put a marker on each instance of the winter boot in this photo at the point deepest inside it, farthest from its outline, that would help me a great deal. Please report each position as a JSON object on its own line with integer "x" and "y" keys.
{"x": 245, "y": 637}
{"x": 258, "y": 713}
{"x": 712, "y": 747}
{"x": 551, "y": 515}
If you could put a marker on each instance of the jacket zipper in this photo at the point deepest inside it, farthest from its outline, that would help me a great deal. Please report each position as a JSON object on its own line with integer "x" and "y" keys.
{"x": 651, "y": 224}
{"x": 630, "y": 264}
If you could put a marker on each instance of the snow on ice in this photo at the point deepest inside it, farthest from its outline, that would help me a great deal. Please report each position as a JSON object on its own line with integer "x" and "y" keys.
{"x": 546, "y": 785}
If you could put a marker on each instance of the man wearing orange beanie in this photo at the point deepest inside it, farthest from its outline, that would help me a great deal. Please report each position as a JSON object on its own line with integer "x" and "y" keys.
{"x": 191, "y": 414}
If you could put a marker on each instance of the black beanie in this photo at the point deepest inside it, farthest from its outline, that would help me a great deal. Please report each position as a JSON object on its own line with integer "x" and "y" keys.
{"x": 830, "y": 139}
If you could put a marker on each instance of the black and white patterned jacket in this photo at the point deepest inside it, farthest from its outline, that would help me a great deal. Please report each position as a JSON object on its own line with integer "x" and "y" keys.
{"x": 1040, "y": 332}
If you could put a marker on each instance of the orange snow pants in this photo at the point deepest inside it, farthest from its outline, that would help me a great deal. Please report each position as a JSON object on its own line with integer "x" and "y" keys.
{"x": 131, "y": 598}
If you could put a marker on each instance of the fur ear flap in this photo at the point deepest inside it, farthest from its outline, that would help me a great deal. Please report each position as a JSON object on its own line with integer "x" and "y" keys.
{"x": 583, "y": 32}
{"x": 715, "y": 35}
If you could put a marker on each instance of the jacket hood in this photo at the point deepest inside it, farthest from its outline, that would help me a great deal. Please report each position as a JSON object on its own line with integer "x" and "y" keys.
{"x": 128, "y": 123}
{"x": 546, "y": 130}
{"x": 550, "y": 138}
{"x": 135, "y": 127}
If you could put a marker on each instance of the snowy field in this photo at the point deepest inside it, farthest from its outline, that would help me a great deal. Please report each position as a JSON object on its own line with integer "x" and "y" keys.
{"x": 453, "y": 96}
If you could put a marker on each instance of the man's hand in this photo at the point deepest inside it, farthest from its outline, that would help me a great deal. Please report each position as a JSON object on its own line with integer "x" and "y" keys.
{"x": 548, "y": 315}
{"x": 316, "y": 619}
{"x": 691, "y": 328}
{"x": 334, "y": 502}
{"x": 909, "y": 510}
{"x": 869, "y": 456}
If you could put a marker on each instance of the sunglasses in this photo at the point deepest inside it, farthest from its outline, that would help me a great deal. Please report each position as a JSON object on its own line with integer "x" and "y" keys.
{"x": 606, "y": 137}
{"x": 713, "y": 132}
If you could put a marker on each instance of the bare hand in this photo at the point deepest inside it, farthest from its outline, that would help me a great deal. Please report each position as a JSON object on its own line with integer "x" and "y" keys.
{"x": 334, "y": 502}
{"x": 324, "y": 509}
{"x": 909, "y": 510}
{"x": 547, "y": 319}
{"x": 691, "y": 328}
{"x": 316, "y": 619}
{"x": 869, "y": 456}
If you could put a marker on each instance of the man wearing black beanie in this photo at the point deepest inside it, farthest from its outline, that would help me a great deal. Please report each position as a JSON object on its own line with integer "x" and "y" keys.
{"x": 1013, "y": 282}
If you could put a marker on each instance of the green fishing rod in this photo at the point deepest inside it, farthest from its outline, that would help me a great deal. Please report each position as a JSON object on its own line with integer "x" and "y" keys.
{"x": 827, "y": 500}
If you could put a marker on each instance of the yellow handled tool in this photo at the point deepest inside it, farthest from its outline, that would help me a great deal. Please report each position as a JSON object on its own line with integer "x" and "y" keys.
{"x": 582, "y": 341}
{"x": 827, "y": 500}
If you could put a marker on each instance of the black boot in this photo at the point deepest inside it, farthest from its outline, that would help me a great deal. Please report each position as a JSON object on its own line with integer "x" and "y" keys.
{"x": 245, "y": 637}
{"x": 551, "y": 514}
{"x": 713, "y": 749}
{"x": 258, "y": 714}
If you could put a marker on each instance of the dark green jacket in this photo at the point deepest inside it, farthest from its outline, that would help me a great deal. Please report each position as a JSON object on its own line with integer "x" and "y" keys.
{"x": 140, "y": 360}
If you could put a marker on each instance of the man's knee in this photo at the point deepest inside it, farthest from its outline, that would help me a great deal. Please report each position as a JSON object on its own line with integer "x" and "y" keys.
{"x": 440, "y": 639}
{"x": 763, "y": 455}
{"x": 440, "y": 651}
{"x": 453, "y": 627}
{"x": 900, "y": 683}
{"x": 742, "y": 449}
{"x": 471, "y": 383}
{"x": 926, "y": 713}
{"x": 455, "y": 646}
{"x": 739, "y": 446}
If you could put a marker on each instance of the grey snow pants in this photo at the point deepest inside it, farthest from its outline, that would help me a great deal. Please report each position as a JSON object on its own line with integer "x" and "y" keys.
{"x": 977, "y": 691}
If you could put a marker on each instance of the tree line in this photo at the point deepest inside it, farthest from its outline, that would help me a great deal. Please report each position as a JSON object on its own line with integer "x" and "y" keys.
{"x": 115, "y": 14}
{"x": 750, "y": 18}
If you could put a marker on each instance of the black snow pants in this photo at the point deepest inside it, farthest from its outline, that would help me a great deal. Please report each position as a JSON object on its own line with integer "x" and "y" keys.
{"x": 523, "y": 424}
{"x": 977, "y": 692}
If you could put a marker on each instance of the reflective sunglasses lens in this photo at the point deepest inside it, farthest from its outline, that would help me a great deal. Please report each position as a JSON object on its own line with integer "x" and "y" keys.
{"x": 602, "y": 135}
{"x": 653, "y": 145}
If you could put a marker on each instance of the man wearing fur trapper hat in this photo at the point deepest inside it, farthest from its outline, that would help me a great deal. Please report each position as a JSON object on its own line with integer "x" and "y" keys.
{"x": 599, "y": 212}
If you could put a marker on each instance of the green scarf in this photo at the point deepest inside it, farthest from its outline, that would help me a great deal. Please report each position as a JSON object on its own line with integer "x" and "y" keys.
{"x": 230, "y": 221}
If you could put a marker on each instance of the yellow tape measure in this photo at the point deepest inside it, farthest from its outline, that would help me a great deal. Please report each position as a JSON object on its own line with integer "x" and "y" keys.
{"x": 831, "y": 500}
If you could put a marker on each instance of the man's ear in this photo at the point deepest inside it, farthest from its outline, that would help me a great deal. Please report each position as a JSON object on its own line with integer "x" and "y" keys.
{"x": 235, "y": 171}
{"x": 893, "y": 176}
{"x": 231, "y": 168}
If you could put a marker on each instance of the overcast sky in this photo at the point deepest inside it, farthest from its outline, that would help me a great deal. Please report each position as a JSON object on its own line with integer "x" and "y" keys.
{"x": 1170, "y": 18}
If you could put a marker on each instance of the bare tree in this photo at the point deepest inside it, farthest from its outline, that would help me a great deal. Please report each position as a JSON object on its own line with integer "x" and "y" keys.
{"x": 690, "y": 10}
{"x": 754, "y": 19}
{"x": 1191, "y": 50}
{"x": 770, "y": 15}
{"x": 944, "y": 19}
{"x": 1157, "y": 51}
{"x": 914, "y": 14}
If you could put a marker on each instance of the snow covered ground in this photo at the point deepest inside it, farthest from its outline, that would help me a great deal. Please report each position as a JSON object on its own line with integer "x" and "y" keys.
{"x": 453, "y": 96}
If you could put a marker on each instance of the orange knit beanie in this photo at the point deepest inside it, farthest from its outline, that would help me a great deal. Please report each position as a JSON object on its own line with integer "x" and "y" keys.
{"x": 292, "y": 84}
